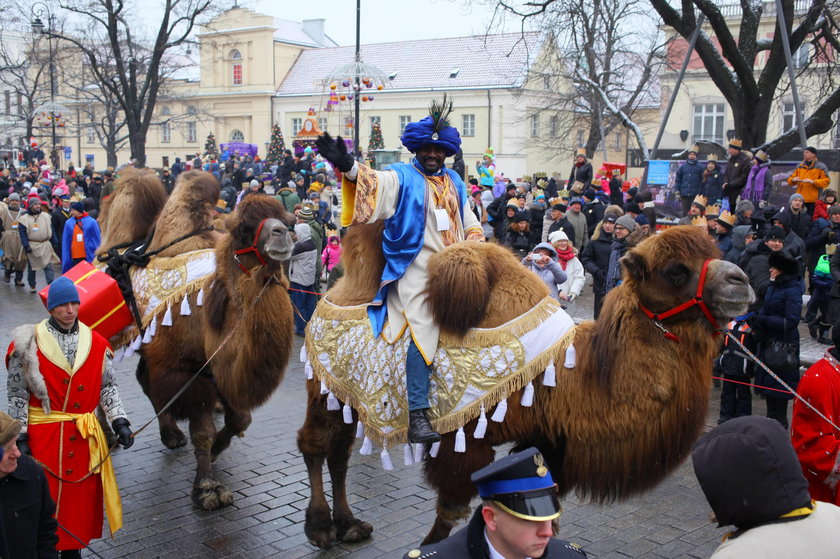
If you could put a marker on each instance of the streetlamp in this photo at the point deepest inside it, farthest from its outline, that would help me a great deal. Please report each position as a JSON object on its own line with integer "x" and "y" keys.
{"x": 38, "y": 9}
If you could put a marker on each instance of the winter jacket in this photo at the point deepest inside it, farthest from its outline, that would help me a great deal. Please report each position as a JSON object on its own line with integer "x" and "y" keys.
{"x": 712, "y": 187}
{"x": 536, "y": 217}
{"x": 575, "y": 278}
{"x": 550, "y": 273}
{"x": 331, "y": 255}
{"x": 596, "y": 259}
{"x": 578, "y": 221}
{"x": 616, "y": 194}
{"x": 778, "y": 319}
{"x": 563, "y": 225}
{"x": 815, "y": 171}
{"x": 799, "y": 223}
{"x": 580, "y": 174}
{"x": 689, "y": 178}
{"x": 27, "y": 526}
{"x": 724, "y": 243}
{"x": 618, "y": 249}
{"x": 754, "y": 263}
{"x": 302, "y": 267}
{"x": 739, "y": 236}
{"x": 735, "y": 177}
{"x": 519, "y": 242}
{"x": 594, "y": 212}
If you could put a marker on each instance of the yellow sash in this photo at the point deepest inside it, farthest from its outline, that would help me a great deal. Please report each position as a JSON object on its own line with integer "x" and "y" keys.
{"x": 90, "y": 429}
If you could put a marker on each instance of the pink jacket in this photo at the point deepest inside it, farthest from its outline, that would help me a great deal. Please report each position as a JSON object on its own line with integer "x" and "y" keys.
{"x": 331, "y": 256}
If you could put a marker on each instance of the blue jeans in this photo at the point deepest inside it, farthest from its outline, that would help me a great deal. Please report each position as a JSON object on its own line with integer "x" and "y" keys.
{"x": 49, "y": 275}
{"x": 304, "y": 302}
{"x": 417, "y": 381}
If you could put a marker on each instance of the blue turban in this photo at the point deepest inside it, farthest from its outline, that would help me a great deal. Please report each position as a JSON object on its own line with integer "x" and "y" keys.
{"x": 419, "y": 134}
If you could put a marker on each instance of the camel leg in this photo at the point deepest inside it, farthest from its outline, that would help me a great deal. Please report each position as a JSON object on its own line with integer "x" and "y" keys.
{"x": 449, "y": 473}
{"x": 208, "y": 493}
{"x": 170, "y": 434}
{"x": 313, "y": 442}
{"x": 235, "y": 424}
{"x": 349, "y": 529}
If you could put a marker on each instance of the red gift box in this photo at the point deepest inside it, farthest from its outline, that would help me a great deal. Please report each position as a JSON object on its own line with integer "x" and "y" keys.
{"x": 102, "y": 306}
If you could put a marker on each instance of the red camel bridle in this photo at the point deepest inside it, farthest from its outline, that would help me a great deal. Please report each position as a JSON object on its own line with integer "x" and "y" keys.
{"x": 253, "y": 248}
{"x": 657, "y": 318}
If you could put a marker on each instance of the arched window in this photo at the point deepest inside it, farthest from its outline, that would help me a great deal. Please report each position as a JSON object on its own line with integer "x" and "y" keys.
{"x": 237, "y": 136}
{"x": 236, "y": 67}
{"x": 165, "y": 111}
{"x": 191, "y": 110}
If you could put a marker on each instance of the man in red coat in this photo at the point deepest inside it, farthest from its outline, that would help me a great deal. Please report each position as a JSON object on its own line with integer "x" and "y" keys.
{"x": 59, "y": 372}
{"x": 816, "y": 442}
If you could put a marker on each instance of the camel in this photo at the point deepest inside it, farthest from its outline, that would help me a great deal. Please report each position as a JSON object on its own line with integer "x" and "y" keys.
{"x": 246, "y": 311}
{"x": 615, "y": 425}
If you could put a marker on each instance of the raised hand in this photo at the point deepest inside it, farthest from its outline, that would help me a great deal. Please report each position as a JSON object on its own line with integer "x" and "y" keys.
{"x": 334, "y": 151}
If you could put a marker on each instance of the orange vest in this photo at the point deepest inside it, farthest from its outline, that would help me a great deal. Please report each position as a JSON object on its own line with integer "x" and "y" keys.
{"x": 77, "y": 245}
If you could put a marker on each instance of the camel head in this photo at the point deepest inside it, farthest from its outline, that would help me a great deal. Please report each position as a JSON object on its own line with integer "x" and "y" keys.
{"x": 131, "y": 211}
{"x": 259, "y": 231}
{"x": 664, "y": 272}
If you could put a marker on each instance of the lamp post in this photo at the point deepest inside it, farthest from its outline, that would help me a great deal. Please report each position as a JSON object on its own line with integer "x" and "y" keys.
{"x": 38, "y": 9}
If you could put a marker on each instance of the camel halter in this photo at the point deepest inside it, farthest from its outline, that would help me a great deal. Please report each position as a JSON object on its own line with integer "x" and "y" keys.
{"x": 657, "y": 318}
{"x": 253, "y": 248}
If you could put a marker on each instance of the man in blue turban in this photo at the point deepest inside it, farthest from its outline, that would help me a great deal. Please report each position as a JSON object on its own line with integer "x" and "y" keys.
{"x": 424, "y": 207}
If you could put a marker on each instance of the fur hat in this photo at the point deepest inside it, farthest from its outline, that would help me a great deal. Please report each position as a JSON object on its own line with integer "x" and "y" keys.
{"x": 9, "y": 428}
{"x": 62, "y": 291}
{"x": 520, "y": 217}
{"x": 826, "y": 192}
{"x": 627, "y": 222}
{"x": 782, "y": 262}
{"x": 744, "y": 206}
{"x": 774, "y": 232}
{"x": 559, "y": 207}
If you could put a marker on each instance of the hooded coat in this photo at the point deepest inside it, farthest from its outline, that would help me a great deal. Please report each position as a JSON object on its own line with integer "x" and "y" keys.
{"x": 550, "y": 273}
{"x": 751, "y": 477}
{"x": 739, "y": 243}
{"x": 302, "y": 267}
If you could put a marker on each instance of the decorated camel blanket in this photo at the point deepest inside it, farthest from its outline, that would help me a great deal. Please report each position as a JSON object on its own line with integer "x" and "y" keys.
{"x": 469, "y": 375}
{"x": 161, "y": 289}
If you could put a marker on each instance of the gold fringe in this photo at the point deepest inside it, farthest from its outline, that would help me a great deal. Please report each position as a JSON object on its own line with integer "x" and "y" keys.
{"x": 330, "y": 311}
{"x": 556, "y": 354}
{"x": 518, "y": 327}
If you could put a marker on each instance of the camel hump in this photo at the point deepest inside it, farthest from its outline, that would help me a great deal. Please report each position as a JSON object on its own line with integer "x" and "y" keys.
{"x": 461, "y": 280}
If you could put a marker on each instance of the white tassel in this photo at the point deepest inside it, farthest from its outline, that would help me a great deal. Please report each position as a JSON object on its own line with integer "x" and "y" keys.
{"x": 129, "y": 352}
{"x": 185, "y": 307}
{"x": 501, "y": 409}
{"x": 434, "y": 450}
{"x": 460, "y": 440}
{"x": 408, "y": 455}
{"x": 481, "y": 427}
{"x": 199, "y": 300}
{"x": 347, "y": 414}
{"x": 307, "y": 368}
{"x": 571, "y": 356}
{"x": 324, "y": 389}
{"x": 550, "y": 376}
{"x": 119, "y": 355}
{"x": 153, "y": 326}
{"x": 387, "y": 465}
{"x": 360, "y": 429}
{"x": 167, "y": 316}
{"x": 367, "y": 447}
{"x": 418, "y": 452}
{"x": 332, "y": 402}
{"x": 147, "y": 336}
{"x": 528, "y": 395}
{"x": 135, "y": 345}
{"x": 303, "y": 353}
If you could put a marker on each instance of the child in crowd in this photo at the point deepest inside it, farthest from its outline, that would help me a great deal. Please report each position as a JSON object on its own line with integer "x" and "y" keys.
{"x": 331, "y": 254}
{"x": 542, "y": 261}
{"x": 736, "y": 369}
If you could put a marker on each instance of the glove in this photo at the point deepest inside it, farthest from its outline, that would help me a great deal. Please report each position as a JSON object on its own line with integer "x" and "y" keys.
{"x": 828, "y": 234}
{"x": 23, "y": 444}
{"x": 123, "y": 431}
{"x": 599, "y": 276}
{"x": 335, "y": 151}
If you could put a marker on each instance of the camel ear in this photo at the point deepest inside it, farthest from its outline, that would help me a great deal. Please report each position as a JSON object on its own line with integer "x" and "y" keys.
{"x": 634, "y": 264}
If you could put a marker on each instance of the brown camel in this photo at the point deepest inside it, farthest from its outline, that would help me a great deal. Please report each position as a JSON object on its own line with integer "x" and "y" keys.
{"x": 246, "y": 312}
{"x": 615, "y": 425}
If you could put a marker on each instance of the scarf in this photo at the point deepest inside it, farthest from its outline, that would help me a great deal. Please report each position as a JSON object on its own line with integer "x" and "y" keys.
{"x": 754, "y": 191}
{"x": 563, "y": 256}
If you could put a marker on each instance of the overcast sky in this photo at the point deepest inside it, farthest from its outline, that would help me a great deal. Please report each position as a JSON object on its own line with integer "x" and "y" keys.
{"x": 387, "y": 20}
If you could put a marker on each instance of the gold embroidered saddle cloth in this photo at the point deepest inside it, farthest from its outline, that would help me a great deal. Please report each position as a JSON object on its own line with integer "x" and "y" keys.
{"x": 164, "y": 282}
{"x": 469, "y": 375}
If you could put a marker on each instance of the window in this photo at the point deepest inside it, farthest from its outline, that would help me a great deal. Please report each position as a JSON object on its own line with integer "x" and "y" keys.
{"x": 20, "y": 107}
{"x": 237, "y": 136}
{"x": 535, "y": 126}
{"x": 404, "y": 120}
{"x": 789, "y": 117}
{"x": 8, "y": 96}
{"x": 617, "y": 146}
{"x": 802, "y": 56}
{"x": 90, "y": 134}
{"x": 165, "y": 133}
{"x": 191, "y": 110}
{"x": 322, "y": 123}
{"x": 191, "y": 135}
{"x": 348, "y": 125}
{"x": 468, "y": 125}
{"x": 553, "y": 126}
{"x": 547, "y": 81}
{"x": 580, "y": 138}
{"x": 708, "y": 122}
{"x": 837, "y": 131}
{"x": 165, "y": 111}
{"x": 297, "y": 126}
{"x": 236, "y": 67}
{"x": 375, "y": 120}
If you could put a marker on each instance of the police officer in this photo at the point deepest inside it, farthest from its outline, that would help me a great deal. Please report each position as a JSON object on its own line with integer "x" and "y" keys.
{"x": 514, "y": 521}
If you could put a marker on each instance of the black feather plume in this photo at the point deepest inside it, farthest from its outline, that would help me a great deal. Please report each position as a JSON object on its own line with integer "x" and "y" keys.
{"x": 440, "y": 113}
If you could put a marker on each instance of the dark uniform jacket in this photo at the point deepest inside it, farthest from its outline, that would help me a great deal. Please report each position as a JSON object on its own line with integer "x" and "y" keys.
{"x": 735, "y": 177}
{"x": 470, "y": 543}
{"x": 27, "y": 526}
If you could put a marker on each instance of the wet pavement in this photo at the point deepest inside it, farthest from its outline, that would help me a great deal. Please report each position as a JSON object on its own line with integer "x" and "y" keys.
{"x": 268, "y": 477}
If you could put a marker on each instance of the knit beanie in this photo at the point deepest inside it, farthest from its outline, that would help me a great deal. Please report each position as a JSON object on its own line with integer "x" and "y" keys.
{"x": 794, "y": 196}
{"x": 834, "y": 210}
{"x": 62, "y": 291}
{"x": 744, "y": 206}
{"x": 627, "y": 222}
{"x": 78, "y": 206}
{"x": 9, "y": 428}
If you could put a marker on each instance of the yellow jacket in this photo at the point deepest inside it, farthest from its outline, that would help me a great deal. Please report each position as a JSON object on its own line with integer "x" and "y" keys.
{"x": 815, "y": 171}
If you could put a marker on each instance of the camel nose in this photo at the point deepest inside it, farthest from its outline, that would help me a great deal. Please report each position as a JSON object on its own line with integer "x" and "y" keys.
{"x": 733, "y": 275}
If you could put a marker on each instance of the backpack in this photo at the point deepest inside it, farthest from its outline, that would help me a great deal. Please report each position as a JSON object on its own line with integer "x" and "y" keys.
{"x": 732, "y": 361}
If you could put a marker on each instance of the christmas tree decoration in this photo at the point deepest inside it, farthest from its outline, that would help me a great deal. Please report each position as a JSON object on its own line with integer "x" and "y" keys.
{"x": 376, "y": 141}
{"x": 276, "y": 147}
{"x": 210, "y": 148}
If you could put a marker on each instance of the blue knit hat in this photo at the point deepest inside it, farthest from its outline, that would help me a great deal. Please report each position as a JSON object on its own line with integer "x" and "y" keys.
{"x": 62, "y": 291}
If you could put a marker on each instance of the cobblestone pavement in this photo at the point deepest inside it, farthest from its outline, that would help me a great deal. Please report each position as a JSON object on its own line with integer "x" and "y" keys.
{"x": 267, "y": 475}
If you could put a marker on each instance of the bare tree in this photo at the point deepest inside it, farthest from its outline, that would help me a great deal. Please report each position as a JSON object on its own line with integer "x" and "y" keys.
{"x": 127, "y": 67}
{"x": 752, "y": 91}
{"x": 608, "y": 50}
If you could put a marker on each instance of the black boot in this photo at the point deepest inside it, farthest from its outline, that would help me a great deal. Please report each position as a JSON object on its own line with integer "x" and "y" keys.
{"x": 824, "y": 335}
{"x": 419, "y": 428}
{"x": 812, "y": 329}
{"x": 70, "y": 554}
